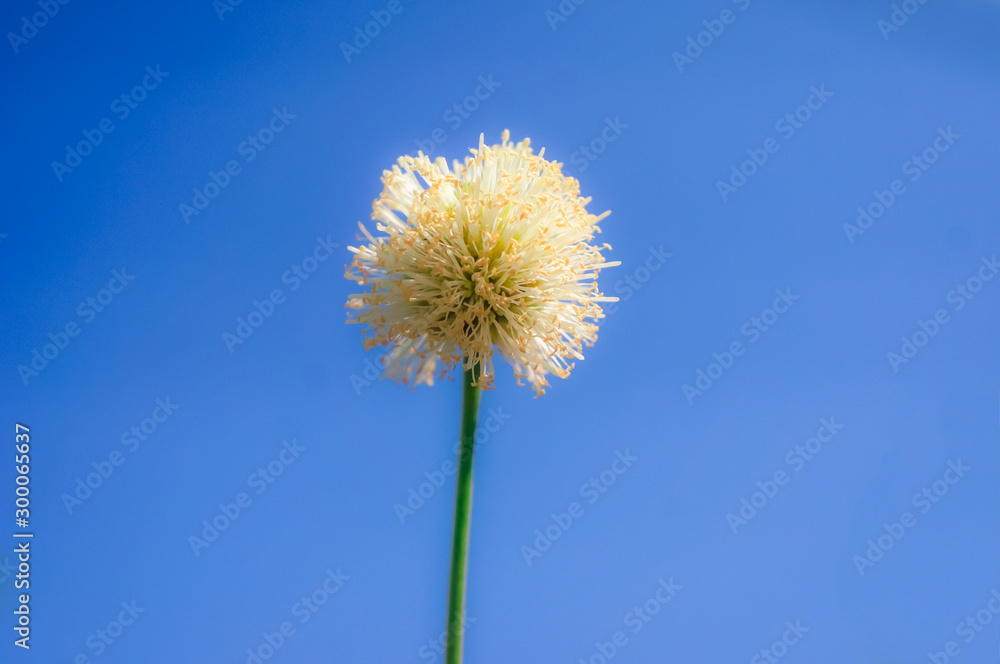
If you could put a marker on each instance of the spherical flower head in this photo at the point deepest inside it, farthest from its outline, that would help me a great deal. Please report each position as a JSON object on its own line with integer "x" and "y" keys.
{"x": 494, "y": 254}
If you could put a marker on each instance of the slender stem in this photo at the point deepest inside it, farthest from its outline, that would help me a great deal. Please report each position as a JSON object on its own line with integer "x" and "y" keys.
{"x": 463, "y": 510}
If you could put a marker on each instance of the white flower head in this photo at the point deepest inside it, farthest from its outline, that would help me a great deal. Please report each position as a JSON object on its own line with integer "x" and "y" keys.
{"x": 495, "y": 253}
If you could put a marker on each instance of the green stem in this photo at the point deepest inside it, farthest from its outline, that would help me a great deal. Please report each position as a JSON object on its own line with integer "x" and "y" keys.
{"x": 463, "y": 510}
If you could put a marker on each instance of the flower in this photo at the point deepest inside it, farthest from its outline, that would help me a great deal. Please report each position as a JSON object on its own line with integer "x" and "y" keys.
{"x": 494, "y": 253}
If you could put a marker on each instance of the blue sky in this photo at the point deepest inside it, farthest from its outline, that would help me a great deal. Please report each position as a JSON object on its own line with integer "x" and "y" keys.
{"x": 846, "y": 368}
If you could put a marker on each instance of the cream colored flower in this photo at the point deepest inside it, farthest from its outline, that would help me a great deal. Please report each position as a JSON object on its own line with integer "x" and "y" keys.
{"x": 494, "y": 253}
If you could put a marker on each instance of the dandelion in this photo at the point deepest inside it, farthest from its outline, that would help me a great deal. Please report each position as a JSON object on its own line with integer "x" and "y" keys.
{"x": 492, "y": 255}
{"x": 495, "y": 253}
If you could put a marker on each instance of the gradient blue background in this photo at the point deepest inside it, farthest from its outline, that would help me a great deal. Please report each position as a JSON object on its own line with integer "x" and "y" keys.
{"x": 366, "y": 448}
